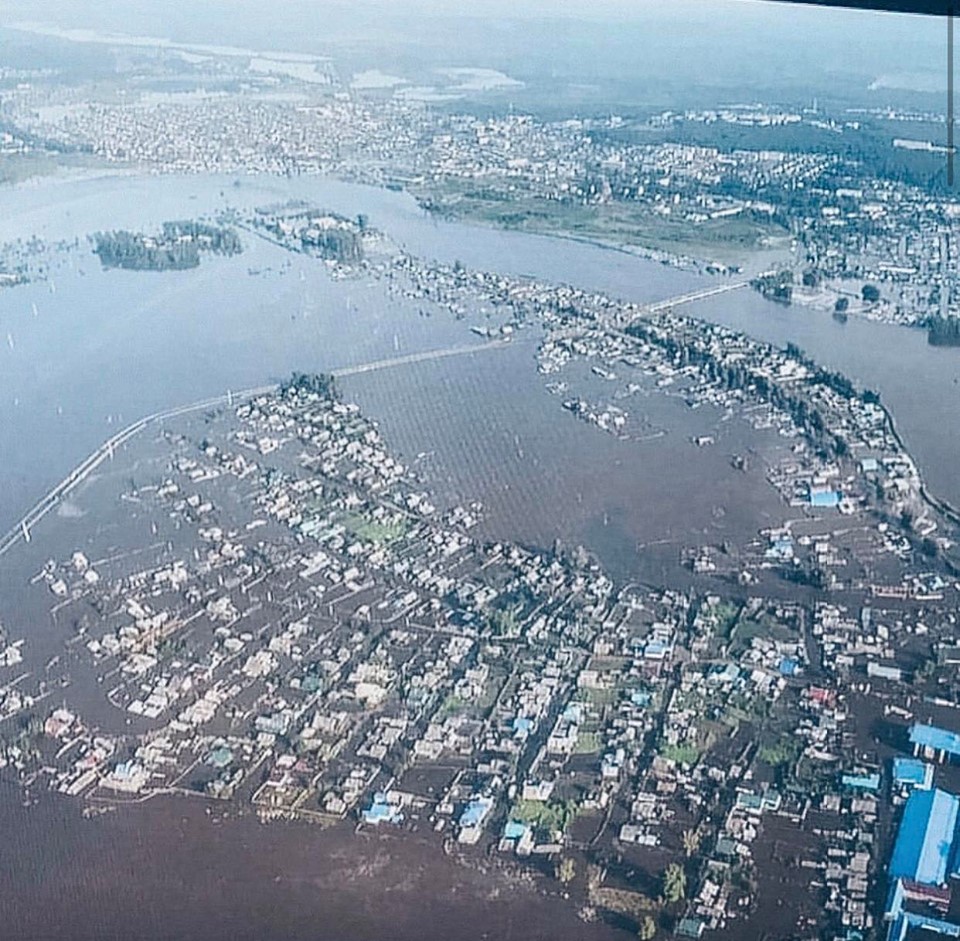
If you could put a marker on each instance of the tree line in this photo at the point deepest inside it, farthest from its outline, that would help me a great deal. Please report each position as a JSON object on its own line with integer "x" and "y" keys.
{"x": 176, "y": 249}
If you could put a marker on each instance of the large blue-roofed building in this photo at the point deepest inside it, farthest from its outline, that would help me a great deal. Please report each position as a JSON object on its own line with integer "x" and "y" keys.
{"x": 929, "y": 737}
{"x": 825, "y": 498}
{"x": 925, "y": 838}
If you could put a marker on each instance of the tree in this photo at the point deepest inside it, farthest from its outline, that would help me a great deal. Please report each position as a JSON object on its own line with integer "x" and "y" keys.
{"x": 647, "y": 929}
{"x": 841, "y": 305}
{"x": 674, "y": 884}
{"x": 504, "y": 623}
{"x": 566, "y": 870}
{"x": 870, "y": 293}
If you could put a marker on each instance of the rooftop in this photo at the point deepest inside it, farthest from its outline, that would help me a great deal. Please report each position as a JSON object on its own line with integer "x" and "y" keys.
{"x": 925, "y": 837}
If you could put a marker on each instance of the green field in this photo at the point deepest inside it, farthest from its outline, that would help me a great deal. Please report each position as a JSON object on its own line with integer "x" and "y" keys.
{"x": 588, "y": 743}
{"x": 370, "y": 530}
{"x": 549, "y": 816}
{"x": 730, "y": 240}
{"x": 682, "y": 754}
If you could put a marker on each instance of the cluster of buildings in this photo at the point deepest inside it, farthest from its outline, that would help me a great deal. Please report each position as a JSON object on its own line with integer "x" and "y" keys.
{"x": 850, "y": 226}
{"x": 314, "y": 634}
{"x": 925, "y": 858}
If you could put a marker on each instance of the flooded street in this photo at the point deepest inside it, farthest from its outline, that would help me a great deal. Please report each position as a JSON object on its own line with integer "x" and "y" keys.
{"x": 91, "y": 351}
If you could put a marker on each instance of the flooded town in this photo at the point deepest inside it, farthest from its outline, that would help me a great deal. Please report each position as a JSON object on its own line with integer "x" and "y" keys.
{"x": 428, "y": 515}
{"x": 269, "y": 609}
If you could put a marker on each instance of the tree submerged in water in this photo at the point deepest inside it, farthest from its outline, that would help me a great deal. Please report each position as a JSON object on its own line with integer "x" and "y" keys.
{"x": 943, "y": 331}
{"x": 322, "y": 384}
{"x": 176, "y": 249}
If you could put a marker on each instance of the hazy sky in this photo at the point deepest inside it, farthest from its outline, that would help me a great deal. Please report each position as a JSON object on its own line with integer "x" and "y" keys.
{"x": 577, "y": 9}
{"x": 738, "y": 47}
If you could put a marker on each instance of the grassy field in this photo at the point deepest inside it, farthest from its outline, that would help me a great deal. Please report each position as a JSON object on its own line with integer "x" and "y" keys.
{"x": 373, "y": 531}
{"x": 682, "y": 754}
{"x": 731, "y": 240}
{"x": 547, "y": 816}
{"x": 15, "y": 168}
{"x": 588, "y": 743}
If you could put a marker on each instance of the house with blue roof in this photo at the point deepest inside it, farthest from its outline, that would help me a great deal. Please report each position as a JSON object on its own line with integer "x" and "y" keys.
{"x": 382, "y": 810}
{"x": 925, "y": 837}
{"x": 780, "y": 549}
{"x": 912, "y": 773}
{"x": 472, "y": 818}
{"x": 522, "y": 727}
{"x": 515, "y": 830}
{"x": 220, "y": 757}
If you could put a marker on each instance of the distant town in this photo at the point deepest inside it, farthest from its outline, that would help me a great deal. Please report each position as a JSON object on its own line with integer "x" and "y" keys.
{"x": 859, "y": 236}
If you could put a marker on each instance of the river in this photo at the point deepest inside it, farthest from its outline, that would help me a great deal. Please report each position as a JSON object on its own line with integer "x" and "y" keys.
{"x": 107, "y": 347}
{"x": 89, "y": 351}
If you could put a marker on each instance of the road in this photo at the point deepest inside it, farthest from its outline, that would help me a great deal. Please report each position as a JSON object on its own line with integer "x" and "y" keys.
{"x": 21, "y": 530}
{"x": 678, "y": 301}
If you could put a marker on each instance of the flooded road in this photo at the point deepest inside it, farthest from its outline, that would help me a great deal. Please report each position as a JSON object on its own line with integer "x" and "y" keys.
{"x": 92, "y": 351}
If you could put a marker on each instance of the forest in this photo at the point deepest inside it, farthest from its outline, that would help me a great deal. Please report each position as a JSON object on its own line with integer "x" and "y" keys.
{"x": 177, "y": 248}
{"x": 943, "y": 331}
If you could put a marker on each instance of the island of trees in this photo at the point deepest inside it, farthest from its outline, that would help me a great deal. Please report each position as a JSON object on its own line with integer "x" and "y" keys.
{"x": 341, "y": 243}
{"x": 316, "y": 231}
{"x": 943, "y": 331}
{"x": 178, "y": 247}
{"x": 776, "y": 285}
{"x": 322, "y": 384}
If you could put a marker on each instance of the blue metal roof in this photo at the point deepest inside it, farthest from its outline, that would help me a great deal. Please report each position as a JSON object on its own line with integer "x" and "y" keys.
{"x": 912, "y": 772}
{"x": 863, "y": 782}
{"x": 929, "y": 736}
{"x": 925, "y": 837}
{"x": 936, "y": 925}
{"x": 475, "y": 812}
{"x": 522, "y": 725}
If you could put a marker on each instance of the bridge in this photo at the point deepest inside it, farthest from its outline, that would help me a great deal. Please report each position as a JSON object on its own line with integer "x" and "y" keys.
{"x": 624, "y": 320}
{"x": 21, "y": 530}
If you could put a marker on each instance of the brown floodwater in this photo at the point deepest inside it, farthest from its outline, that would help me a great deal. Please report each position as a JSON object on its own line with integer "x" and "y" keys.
{"x": 168, "y": 870}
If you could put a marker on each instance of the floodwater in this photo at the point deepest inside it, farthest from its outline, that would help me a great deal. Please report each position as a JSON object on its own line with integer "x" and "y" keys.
{"x": 91, "y": 351}
{"x": 107, "y": 347}
{"x": 169, "y": 871}
{"x": 94, "y": 350}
